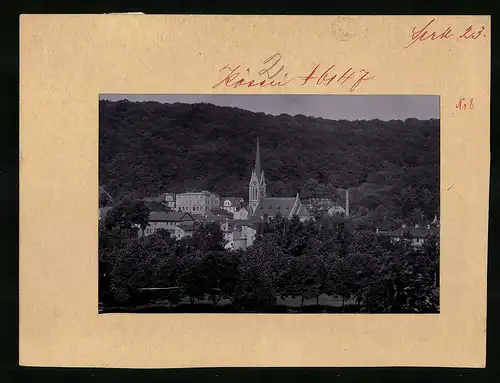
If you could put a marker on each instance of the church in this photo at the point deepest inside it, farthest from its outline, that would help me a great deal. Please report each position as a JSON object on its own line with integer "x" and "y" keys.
{"x": 260, "y": 205}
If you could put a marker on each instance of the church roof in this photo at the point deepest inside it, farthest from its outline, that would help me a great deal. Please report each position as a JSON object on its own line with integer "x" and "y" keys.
{"x": 272, "y": 205}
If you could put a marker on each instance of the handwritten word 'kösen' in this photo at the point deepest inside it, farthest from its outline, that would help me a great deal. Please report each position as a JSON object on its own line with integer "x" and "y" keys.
{"x": 430, "y": 32}
{"x": 273, "y": 74}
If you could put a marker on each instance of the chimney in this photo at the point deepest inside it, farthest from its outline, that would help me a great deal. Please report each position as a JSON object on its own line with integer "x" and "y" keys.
{"x": 347, "y": 203}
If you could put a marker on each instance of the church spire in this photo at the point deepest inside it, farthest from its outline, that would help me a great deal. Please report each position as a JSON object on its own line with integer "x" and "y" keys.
{"x": 257, "y": 159}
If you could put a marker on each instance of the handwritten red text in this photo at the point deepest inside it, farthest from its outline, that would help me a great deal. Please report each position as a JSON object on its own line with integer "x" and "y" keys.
{"x": 432, "y": 32}
{"x": 465, "y": 103}
{"x": 274, "y": 75}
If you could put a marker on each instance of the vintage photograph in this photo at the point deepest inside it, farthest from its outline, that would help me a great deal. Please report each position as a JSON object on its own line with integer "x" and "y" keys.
{"x": 269, "y": 203}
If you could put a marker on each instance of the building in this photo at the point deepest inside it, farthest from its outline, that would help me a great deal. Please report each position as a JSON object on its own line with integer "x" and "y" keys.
{"x": 177, "y": 224}
{"x": 217, "y": 215}
{"x": 326, "y": 205}
{"x": 257, "y": 185}
{"x": 243, "y": 236}
{"x": 166, "y": 199}
{"x": 169, "y": 200}
{"x": 241, "y": 214}
{"x": 416, "y": 235}
{"x": 196, "y": 202}
{"x": 260, "y": 206}
{"x": 282, "y": 206}
{"x": 231, "y": 204}
{"x": 238, "y": 235}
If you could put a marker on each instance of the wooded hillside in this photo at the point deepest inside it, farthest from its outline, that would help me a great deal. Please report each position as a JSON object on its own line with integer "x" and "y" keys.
{"x": 391, "y": 168}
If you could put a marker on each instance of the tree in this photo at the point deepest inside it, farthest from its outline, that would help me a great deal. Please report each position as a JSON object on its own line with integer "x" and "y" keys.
{"x": 192, "y": 278}
{"x": 260, "y": 274}
{"x": 208, "y": 237}
{"x": 309, "y": 189}
{"x": 130, "y": 215}
{"x": 431, "y": 250}
{"x": 340, "y": 279}
{"x": 221, "y": 271}
{"x": 304, "y": 277}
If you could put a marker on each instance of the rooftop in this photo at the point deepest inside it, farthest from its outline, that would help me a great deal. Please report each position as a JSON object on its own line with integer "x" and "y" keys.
{"x": 274, "y": 205}
{"x": 414, "y": 232}
{"x": 234, "y": 200}
{"x": 172, "y": 216}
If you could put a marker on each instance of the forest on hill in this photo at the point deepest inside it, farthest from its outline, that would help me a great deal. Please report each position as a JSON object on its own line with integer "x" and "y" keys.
{"x": 390, "y": 167}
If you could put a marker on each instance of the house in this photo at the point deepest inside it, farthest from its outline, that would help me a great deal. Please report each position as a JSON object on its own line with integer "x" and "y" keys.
{"x": 178, "y": 224}
{"x": 336, "y": 209}
{"x": 231, "y": 204}
{"x": 241, "y": 214}
{"x": 196, "y": 202}
{"x": 217, "y": 215}
{"x": 416, "y": 235}
{"x": 329, "y": 206}
{"x": 238, "y": 235}
{"x": 168, "y": 199}
{"x": 228, "y": 233}
{"x": 184, "y": 230}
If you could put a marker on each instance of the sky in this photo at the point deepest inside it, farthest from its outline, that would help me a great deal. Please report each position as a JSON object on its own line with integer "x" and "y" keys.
{"x": 335, "y": 107}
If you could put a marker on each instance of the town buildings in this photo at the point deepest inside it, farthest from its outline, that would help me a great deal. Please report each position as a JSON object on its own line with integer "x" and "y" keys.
{"x": 415, "y": 235}
{"x": 238, "y": 235}
{"x": 177, "y": 224}
{"x": 231, "y": 204}
{"x": 196, "y": 202}
{"x": 241, "y": 214}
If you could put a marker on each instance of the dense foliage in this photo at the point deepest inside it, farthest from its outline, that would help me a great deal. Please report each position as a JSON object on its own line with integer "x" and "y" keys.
{"x": 391, "y": 168}
{"x": 288, "y": 259}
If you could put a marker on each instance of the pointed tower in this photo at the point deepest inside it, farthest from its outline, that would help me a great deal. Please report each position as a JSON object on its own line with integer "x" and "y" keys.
{"x": 257, "y": 186}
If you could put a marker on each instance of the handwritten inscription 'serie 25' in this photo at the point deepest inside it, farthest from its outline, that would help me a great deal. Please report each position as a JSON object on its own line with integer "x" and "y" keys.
{"x": 273, "y": 74}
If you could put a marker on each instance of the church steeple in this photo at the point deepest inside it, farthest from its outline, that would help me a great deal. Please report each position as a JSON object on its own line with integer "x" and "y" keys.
{"x": 257, "y": 186}
{"x": 257, "y": 159}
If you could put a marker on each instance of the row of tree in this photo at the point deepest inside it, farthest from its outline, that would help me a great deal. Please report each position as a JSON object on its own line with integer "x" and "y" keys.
{"x": 289, "y": 259}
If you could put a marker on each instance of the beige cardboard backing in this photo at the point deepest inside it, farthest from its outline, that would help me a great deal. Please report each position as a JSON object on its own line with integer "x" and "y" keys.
{"x": 67, "y": 60}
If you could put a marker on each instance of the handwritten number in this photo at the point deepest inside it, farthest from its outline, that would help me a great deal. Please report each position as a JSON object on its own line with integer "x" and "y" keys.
{"x": 267, "y": 70}
{"x": 462, "y": 104}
